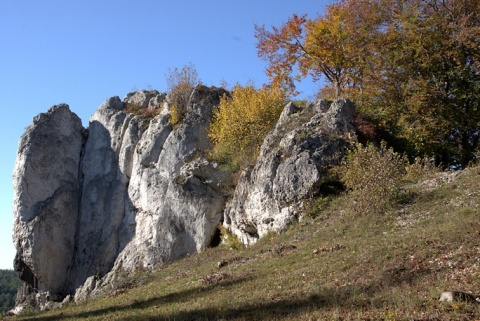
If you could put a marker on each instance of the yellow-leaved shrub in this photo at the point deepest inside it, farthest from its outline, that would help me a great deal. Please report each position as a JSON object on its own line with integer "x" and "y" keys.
{"x": 242, "y": 121}
{"x": 180, "y": 85}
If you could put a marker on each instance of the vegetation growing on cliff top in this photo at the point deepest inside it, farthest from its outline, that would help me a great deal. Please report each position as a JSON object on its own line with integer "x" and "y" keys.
{"x": 180, "y": 82}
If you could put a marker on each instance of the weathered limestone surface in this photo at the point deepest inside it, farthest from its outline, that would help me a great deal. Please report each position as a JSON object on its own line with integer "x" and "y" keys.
{"x": 290, "y": 168}
{"x": 105, "y": 171}
{"x": 175, "y": 196}
{"x": 136, "y": 193}
{"x": 46, "y": 199}
{"x": 132, "y": 191}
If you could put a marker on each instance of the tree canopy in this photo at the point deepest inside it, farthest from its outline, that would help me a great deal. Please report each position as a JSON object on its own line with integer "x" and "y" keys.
{"x": 411, "y": 66}
{"x": 9, "y": 284}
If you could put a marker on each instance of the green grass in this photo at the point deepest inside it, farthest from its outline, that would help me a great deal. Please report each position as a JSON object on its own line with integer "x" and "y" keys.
{"x": 331, "y": 266}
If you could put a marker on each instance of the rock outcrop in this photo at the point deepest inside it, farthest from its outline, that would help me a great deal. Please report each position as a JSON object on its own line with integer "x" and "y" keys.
{"x": 46, "y": 199}
{"x": 130, "y": 192}
{"x": 291, "y": 167}
{"x": 134, "y": 192}
{"x": 175, "y": 197}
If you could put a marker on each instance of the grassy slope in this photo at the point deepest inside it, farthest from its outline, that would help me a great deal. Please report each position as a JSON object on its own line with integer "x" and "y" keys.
{"x": 334, "y": 267}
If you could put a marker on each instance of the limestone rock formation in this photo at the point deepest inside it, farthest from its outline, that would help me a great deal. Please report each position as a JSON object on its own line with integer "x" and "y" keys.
{"x": 290, "y": 168}
{"x": 129, "y": 192}
{"x": 174, "y": 199}
{"x": 47, "y": 191}
{"x": 132, "y": 191}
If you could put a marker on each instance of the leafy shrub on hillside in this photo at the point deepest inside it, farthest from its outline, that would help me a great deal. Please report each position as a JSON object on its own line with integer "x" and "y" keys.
{"x": 374, "y": 175}
{"x": 9, "y": 283}
{"x": 180, "y": 84}
{"x": 421, "y": 168}
{"x": 242, "y": 121}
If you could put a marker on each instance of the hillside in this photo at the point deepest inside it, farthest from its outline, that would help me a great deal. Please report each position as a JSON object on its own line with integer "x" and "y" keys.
{"x": 330, "y": 266}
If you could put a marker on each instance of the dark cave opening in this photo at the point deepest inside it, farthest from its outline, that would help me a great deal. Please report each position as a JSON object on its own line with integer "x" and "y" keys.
{"x": 217, "y": 236}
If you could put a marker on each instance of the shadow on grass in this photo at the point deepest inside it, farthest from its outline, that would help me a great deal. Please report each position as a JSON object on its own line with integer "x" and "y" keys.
{"x": 181, "y": 296}
{"x": 353, "y": 297}
{"x": 252, "y": 311}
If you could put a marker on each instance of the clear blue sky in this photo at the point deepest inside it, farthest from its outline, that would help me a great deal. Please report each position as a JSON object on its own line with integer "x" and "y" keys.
{"x": 83, "y": 52}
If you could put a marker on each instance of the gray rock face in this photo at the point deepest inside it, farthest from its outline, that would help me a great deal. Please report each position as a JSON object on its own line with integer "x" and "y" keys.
{"x": 105, "y": 171}
{"x": 290, "y": 168}
{"x": 175, "y": 197}
{"x": 132, "y": 191}
{"x": 136, "y": 193}
{"x": 144, "y": 99}
{"x": 46, "y": 199}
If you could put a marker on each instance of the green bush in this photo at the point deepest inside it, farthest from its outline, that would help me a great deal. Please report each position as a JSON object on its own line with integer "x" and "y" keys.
{"x": 230, "y": 240}
{"x": 317, "y": 206}
{"x": 9, "y": 284}
{"x": 421, "y": 168}
{"x": 224, "y": 154}
{"x": 374, "y": 176}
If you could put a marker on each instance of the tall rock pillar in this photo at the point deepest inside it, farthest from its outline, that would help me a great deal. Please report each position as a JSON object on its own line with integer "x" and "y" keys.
{"x": 46, "y": 199}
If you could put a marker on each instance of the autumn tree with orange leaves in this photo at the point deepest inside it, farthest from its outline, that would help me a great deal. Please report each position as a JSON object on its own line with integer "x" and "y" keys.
{"x": 412, "y": 67}
{"x": 295, "y": 44}
{"x": 332, "y": 45}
